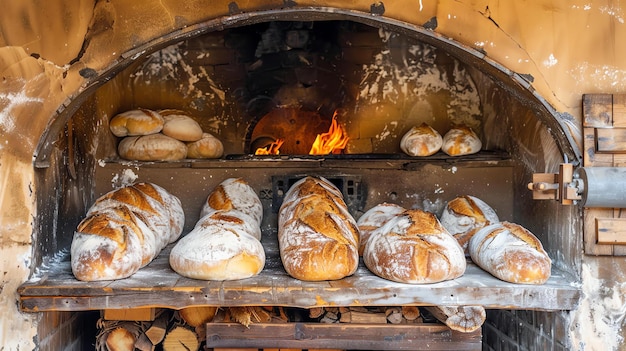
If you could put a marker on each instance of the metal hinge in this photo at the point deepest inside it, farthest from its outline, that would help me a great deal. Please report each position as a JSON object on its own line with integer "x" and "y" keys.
{"x": 563, "y": 186}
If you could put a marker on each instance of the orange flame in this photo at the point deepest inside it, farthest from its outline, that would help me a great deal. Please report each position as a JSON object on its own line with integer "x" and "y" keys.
{"x": 272, "y": 149}
{"x": 333, "y": 141}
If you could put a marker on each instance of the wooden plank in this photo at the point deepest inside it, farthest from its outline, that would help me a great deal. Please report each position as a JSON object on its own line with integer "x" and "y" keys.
{"x": 342, "y": 336}
{"x": 591, "y": 158}
{"x": 597, "y": 110}
{"x": 157, "y": 285}
{"x": 590, "y": 233}
{"x": 129, "y": 314}
{"x": 611, "y": 140}
{"x": 619, "y": 110}
{"x": 611, "y": 231}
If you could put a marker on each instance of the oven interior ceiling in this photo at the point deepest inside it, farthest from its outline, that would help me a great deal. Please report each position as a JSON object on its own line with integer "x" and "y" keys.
{"x": 379, "y": 81}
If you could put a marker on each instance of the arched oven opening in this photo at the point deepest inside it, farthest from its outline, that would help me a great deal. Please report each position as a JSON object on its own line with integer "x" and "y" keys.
{"x": 290, "y": 76}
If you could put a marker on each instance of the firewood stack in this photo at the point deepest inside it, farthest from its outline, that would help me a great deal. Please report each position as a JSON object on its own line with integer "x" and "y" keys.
{"x": 185, "y": 329}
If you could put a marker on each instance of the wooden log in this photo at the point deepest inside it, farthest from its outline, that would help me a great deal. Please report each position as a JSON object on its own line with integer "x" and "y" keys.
{"x": 364, "y": 317}
{"x": 316, "y": 312}
{"x": 120, "y": 339}
{"x": 394, "y": 315}
{"x": 181, "y": 338}
{"x": 156, "y": 331}
{"x": 196, "y": 315}
{"x": 130, "y": 314}
{"x": 144, "y": 344}
{"x": 410, "y": 313}
{"x": 465, "y": 319}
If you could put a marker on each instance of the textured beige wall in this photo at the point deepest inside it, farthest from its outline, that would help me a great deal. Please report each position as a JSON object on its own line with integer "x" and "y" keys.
{"x": 569, "y": 47}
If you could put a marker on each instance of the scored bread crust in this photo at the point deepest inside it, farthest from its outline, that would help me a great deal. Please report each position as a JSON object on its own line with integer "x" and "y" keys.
{"x": 375, "y": 218}
{"x": 317, "y": 236}
{"x": 136, "y": 122}
{"x": 421, "y": 140}
{"x": 511, "y": 253}
{"x": 124, "y": 230}
{"x": 234, "y": 194}
{"x": 153, "y": 147}
{"x": 461, "y": 140}
{"x": 463, "y": 215}
{"x": 413, "y": 247}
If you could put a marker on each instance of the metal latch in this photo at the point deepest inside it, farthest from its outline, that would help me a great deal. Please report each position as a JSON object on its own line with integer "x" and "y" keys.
{"x": 564, "y": 186}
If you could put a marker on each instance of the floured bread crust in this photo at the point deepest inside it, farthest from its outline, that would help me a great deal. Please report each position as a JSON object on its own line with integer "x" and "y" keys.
{"x": 461, "y": 140}
{"x": 375, "y": 218}
{"x": 413, "y": 247}
{"x": 511, "y": 253}
{"x": 464, "y": 215}
{"x": 318, "y": 238}
{"x": 422, "y": 140}
{"x": 136, "y": 122}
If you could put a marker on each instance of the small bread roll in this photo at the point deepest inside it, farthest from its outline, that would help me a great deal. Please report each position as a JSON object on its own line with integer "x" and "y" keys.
{"x": 153, "y": 147}
{"x": 421, "y": 141}
{"x": 222, "y": 246}
{"x": 461, "y": 140}
{"x": 207, "y": 147}
{"x": 179, "y": 125}
{"x": 464, "y": 215}
{"x": 375, "y": 218}
{"x": 413, "y": 247}
{"x": 136, "y": 122}
{"x": 511, "y": 253}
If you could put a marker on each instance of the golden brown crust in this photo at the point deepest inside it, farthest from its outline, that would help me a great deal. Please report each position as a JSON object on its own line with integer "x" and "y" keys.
{"x": 219, "y": 200}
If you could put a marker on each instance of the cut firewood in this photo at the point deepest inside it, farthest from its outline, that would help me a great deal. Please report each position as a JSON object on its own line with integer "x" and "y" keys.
{"x": 156, "y": 332}
{"x": 410, "y": 313}
{"x": 394, "y": 315}
{"x": 120, "y": 339}
{"x": 364, "y": 317}
{"x": 181, "y": 338}
{"x": 465, "y": 319}
{"x": 316, "y": 312}
{"x": 144, "y": 344}
{"x": 196, "y": 315}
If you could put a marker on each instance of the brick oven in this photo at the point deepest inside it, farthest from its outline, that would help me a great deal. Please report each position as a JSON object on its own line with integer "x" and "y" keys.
{"x": 253, "y": 73}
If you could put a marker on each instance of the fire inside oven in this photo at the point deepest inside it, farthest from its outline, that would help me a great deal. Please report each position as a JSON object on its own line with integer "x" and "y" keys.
{"x": 268, "y": 91}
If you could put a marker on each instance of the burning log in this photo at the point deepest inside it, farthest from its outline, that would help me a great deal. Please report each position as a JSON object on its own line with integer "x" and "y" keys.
{"x": 332, "y": 142}
{"x": 465, "y": 319}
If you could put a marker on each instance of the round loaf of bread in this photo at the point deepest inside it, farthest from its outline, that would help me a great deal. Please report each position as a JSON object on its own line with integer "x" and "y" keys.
{"x": 124, "y": 230}
{"x": 375, "y": 218}
{"x": 207, "y": 147}
{"x": 421, "y": 140}
{"x": 221, "y": 246}
{"x": 511, "y": 253}
{"x": 461, "y": 140}
{"x": 136, "y": 122}
{"x": 153, "y": 147}
{"x": 413, "y": 247}
{"x": 234, "y": 194}
{"x": 179, "y": 125}
{"x": 464, "y": 215}
{"x": 318, "y": 238}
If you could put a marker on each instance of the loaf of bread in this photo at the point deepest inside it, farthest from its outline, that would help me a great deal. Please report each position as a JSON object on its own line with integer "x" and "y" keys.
{"x": 125, "y": 230}
{"x": 413, "y": 247}
{"x": 207, "y": 147}
{"x": 234, "y": 194}
{"x": 224, "y": 245}
{"x": 461, "y": 140}
{"x": 153, "y": 147}
{"x": 375, "y": 218}
{"x": 421, "y": 140}
{"x": 179, "y": 125}
{"x": 318, "y": 239}
{"x": 136, "y": 122}
{"x": 511, "y": 253}
{"x": 463, "y": 215}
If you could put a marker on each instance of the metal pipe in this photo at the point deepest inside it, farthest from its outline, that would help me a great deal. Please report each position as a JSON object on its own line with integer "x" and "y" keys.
{"x": 603, "y": 186}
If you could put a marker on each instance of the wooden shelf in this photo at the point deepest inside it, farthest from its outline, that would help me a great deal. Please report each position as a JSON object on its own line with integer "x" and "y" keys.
{"x": 54, "y": 288}
{"x": 419, "y": 336}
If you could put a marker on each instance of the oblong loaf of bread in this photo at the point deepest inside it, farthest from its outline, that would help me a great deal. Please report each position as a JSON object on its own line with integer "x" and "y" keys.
{"x": 511, "y": 253}
{"x": 136, "y": 122}
{"x": 234, "y": 194}
{"x": 375, "y": 218}
{"x": 413, "y": 247}
{"x": 125, "y": 230}
{"x": 421, "y": 140}
{"x": 224, "y": 245}
{"x": 318, "y": 238}
{"x": 178, "y": 125}
{"x": 153, "y": 147}
{"x": 463, "y": 215}
{"x": 207, "y": 147}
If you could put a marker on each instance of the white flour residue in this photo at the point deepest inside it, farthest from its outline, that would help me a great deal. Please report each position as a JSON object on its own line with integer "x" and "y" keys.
{"x": 601, "y": 77}
{"x": 127, "y": 177}
{"x": 613, "y": 11}
{"x": 169, "y": 64}
{"x": 411, "y": 74}
{"x": 600, "y": 315}
{"x": 10, "y": 101}
{"x": 550, "y": 61}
